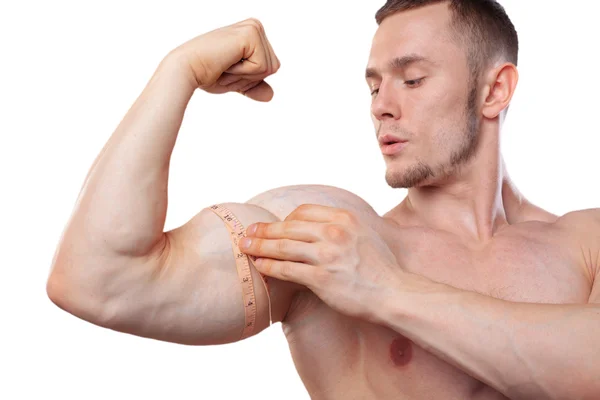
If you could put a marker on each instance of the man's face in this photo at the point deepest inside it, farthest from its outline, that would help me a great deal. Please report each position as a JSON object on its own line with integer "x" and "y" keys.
{"x": 427, "y": 99}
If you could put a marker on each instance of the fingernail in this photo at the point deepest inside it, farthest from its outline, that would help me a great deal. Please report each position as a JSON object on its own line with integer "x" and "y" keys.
{"x": 245, "y": 243}
{"x": 251, "y": 229}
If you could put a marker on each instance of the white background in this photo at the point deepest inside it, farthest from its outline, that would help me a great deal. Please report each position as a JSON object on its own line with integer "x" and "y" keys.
{"x": 69, "y": 72}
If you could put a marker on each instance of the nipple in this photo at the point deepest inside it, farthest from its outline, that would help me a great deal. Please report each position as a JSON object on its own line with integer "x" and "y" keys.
{"x": 401, "y": 351}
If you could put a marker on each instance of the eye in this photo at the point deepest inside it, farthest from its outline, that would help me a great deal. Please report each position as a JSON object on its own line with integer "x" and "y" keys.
{"x": 414, "y": 82}
{"x": 374, "y": 91}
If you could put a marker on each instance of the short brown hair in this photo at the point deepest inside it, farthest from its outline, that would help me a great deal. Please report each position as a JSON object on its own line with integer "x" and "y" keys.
{"x": 482, "y": 26}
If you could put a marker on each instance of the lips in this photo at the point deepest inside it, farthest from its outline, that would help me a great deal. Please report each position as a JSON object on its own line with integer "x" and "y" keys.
{"x": 391, "y": 144}
{"x": 392, "y": 148}
{"x": 389, "y": 139}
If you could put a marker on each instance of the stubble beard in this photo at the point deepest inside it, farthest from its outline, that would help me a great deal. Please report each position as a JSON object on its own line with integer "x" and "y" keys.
{"x": 421, "y": 173}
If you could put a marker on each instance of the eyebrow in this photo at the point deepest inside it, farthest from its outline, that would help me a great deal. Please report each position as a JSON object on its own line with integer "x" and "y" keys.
{"x": 398, "y": 63}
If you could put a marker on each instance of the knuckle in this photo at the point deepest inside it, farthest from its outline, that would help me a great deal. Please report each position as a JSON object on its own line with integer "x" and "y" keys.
{"x": 262, "y": 69}
{"x": 252, "y": 30}
{"x": 301, "y": 209}
{"x": 285, "y": 270}
{"x": 257, "y": 245}
{"x": 289, "y": 227}
{"x": 297, "y": 212}
{"x": 266, "y": 265}
{"x": 256, "y": 23}
{"x": 290, "y": 216}
{"x": 336, "y": 233}
{"x": 261, "y": 229}
{"x": 282, "y": 246}
{"x": 347, "y": 217}
{"x": 256, "y": 28}
{"x": 252, "y": 21}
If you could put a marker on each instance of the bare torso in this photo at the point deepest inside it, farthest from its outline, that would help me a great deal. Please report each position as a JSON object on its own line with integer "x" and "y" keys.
{"x": 342, "y": 358}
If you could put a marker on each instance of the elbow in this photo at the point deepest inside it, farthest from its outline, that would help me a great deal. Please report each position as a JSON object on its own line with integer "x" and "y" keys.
{"x": 63, "y": 294}
{"x": 59, "y": 284}
{"x": 73, "y": 298}
{"x": 76, "y": 284}
{"x": 56, "y": 288}
{"x": 53, "y": 291}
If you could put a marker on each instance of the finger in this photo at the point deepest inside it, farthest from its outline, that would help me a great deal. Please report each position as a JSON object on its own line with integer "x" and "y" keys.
{"x": 265, "y": 47}
{"x": 254, "y": 60}
{"x": 315, "y": 213}
{"x": 262, "y": 91}
{"x": 281, "y": 249}
{"x": 275, "y": 64}
{"x": 295, "y": 230}
{"x": 252, "y": 65}
{"x": 285, "y": 270}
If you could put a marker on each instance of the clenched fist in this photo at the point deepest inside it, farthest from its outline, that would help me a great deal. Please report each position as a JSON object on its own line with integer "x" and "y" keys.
{"x": 234, "y": 58}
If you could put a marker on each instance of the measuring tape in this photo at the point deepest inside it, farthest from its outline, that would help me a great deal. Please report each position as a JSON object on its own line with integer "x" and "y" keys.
{"x": 237, "y": 231}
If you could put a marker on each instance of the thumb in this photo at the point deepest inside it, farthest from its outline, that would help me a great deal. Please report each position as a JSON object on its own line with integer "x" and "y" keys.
{"x": 261, "y": 92}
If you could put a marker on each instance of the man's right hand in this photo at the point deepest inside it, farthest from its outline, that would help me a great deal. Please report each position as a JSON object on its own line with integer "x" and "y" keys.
{"x": 234, "y": 58}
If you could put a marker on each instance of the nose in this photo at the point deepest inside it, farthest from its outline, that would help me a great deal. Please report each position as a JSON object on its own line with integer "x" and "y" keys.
{"x": 385, "y": 103}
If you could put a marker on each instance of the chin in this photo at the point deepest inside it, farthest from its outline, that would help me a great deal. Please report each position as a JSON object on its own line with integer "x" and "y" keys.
{"x": 418, "y": 174}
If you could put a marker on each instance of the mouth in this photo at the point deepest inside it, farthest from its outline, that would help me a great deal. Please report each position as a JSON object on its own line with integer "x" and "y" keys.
{"x": 392, "y": 141}
{"x": 389, "y": 139}
{"x": 391, "y": 148}
{"x": 391, "y": 144}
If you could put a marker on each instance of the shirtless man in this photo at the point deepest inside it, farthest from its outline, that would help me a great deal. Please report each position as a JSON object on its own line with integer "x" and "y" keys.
{"x": 465, "y": 290}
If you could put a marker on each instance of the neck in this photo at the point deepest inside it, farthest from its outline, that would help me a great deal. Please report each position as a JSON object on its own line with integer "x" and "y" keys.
{"x": 469, "y": 201}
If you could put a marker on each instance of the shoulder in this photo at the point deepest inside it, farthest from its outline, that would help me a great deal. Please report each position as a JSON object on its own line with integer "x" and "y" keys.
{"x": 582, "y": 228}
{"x": 283, "y": 200}
{"x": 585, "y": 222}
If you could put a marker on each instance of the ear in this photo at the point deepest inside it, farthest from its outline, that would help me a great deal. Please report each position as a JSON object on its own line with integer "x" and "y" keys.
{"x": 500, "y": 84}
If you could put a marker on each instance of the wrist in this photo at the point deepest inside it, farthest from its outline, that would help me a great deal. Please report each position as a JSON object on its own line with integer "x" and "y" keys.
{"x": 402, "y": 296}
{"x": 175, "y": 69}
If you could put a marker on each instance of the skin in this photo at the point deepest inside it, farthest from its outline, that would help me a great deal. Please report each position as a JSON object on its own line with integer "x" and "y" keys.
{"x": 457, "y": 204}
{"x": 465, "y": 290}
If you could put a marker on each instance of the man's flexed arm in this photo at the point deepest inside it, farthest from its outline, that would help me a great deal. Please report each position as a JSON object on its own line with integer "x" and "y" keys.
{"x": 121, "y": 209}
{"x": 123, "y": 202}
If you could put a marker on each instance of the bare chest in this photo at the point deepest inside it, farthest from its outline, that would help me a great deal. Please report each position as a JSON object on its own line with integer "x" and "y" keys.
{"x": 330, "y": 349}
{"x": 522, "y": 264}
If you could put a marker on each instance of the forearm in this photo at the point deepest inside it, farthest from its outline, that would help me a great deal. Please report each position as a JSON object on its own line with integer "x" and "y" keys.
{"x": 524, "y": 350}
{"x": 123, "y": 202}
